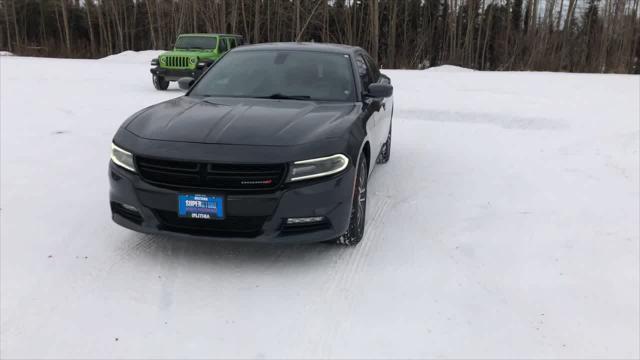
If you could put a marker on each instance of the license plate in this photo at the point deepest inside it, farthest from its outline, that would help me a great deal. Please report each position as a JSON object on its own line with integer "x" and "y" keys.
{"x": 201, "y": 207}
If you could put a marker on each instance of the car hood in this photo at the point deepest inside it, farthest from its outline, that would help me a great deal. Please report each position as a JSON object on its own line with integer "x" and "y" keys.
{"x": 188, "y": 53}
{"x": 242, "y": 121}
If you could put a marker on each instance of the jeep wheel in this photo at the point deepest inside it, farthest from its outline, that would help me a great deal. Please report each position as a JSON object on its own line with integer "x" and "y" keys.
{"x": 160, "y": 83}
{"x": 358, "y": 208}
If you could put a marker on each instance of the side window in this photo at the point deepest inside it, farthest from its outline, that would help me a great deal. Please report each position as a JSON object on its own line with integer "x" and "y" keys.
{"x": 363, "y": 72}
{"x": 223, "y": 45}
{"x": 232, "y": 43}
{"x": 374, "y": 68}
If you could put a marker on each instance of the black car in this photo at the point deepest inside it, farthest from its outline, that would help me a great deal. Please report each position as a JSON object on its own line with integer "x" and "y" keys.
{"x": 274, "y": 143}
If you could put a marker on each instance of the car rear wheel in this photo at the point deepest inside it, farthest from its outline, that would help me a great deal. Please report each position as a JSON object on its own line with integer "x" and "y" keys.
{"x": 160, "y": 83}
{"x": 359, "y": 207}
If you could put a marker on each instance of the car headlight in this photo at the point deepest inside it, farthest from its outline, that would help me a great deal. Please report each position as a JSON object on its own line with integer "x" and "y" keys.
{"x": 193, "y": 60}
{"x": 163, "y": 60}
{"x": 122, "y": 158}
{"x": 313, "y": 168}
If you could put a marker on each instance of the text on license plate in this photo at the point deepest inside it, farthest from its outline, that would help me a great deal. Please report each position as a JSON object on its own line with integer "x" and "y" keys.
{"x": 200, "y": 206}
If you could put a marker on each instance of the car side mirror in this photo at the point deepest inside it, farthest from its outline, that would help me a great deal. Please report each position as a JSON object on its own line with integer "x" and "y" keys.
{"x": 185, "y": 83}
{"x": 380, "y": 90}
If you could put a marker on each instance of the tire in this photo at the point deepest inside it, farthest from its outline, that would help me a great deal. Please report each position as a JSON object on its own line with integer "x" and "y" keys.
{"x": 385, "y": 152}
{"x": 358, "y": 208}
{"x": 160, "y": 83}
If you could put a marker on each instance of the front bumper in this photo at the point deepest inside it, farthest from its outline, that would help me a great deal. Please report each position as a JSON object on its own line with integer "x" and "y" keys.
{"x": 175, "y": 74}
{"x": 263, "y": 213}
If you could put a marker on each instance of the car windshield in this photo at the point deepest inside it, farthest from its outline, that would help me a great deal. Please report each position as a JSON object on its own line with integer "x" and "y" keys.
{"x": 280, "y": 74}
{"x": 196, "y": 42}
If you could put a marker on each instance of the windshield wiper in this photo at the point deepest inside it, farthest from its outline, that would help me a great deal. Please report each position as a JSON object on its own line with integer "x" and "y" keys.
{"x": 280, "y": 96}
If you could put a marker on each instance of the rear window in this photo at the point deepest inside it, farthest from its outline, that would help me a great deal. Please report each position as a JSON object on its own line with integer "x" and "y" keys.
{"x": 196, "y": 43}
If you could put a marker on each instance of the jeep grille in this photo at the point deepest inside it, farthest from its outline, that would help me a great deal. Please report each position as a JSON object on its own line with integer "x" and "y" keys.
{"x": 177, "y": 61}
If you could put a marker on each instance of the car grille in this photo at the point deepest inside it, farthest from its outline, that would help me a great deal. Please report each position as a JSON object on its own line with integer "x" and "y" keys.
{"x": 231, "y": 226}
{"x": 185, "y": 174}
{"x": 177, "y": 61}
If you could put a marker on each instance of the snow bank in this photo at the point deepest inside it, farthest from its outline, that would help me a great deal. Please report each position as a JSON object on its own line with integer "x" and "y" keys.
{"x": 6, "y": 53}
{"x": 132, "y": 57}
{"x": 448, "y": 68}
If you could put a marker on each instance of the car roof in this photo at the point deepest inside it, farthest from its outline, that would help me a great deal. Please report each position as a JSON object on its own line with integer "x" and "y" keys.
{"x": 320, "y": 47}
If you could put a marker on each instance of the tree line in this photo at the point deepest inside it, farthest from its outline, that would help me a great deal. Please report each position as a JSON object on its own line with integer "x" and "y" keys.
{"x": 547, "y": 35}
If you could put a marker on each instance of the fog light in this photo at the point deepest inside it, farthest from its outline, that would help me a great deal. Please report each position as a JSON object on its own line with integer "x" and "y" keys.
{"x": 129, "y": 207}
{"x": 304, "y": 220}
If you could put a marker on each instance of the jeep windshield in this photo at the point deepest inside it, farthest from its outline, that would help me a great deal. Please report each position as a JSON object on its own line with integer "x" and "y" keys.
{"x": 280, "y": 74}
{"x": 196, "y": 43}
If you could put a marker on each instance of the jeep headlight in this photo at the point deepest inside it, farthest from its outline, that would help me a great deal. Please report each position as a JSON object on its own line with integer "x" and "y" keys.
{"x": 193, "y": 60}
{"x": 122, "y": 158}
{"x": 163, "y": 59}
{"x": 314, "y": 168}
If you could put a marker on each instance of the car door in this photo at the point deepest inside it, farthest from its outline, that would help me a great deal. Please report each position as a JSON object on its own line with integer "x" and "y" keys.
{"x": 383, "y": 122}
{"x": 223, "y": 45}
{"x": 365, "y": 75}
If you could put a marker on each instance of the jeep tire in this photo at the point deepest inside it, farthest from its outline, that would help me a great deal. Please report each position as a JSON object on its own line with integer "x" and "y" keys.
{"x": 160, "y": 83}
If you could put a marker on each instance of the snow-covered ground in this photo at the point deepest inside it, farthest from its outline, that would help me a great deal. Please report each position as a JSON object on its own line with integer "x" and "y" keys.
{"x": 506, "y": 225}
{"x": 133, "y": 57}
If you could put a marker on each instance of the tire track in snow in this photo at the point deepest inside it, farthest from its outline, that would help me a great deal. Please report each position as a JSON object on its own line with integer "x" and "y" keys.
{"x": 356, "y": 258}
{"x": 145, "y": 241}
{"x": 340, "y": 294}
{"x": 344, "y": 267}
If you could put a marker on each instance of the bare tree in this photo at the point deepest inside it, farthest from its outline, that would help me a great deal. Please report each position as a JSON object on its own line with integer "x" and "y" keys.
{"x": 5, "y": 10}
{"x": 299, "y": 36}
{"x": 375, "y": 27}
{"x": 393, "y": 20}
{"x": 88, "y": 4}
{"x": 256, "y": 22}
{"x": 483, "y": 34}
{"x": 15, "y": 25}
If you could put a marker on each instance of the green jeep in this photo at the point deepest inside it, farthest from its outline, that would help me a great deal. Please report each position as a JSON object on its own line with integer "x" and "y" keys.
{"x": 191, "y": 56}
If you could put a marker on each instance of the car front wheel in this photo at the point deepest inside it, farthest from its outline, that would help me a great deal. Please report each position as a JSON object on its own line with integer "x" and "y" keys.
{"x": 358, "y": 209}
{"x": 385, "y": 153}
